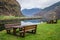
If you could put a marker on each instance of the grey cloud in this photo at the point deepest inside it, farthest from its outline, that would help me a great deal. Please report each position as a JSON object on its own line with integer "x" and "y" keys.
{"x": 36, "y": 3}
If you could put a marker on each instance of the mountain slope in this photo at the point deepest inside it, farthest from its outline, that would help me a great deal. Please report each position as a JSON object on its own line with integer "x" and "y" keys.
{"x": 53, "y": 8}
{"x": 10, "y": 7}
{"x": 30, "y": 12}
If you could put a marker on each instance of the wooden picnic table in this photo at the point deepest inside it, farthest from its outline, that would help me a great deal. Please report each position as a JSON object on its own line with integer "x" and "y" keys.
{"x": 22, "y": 28}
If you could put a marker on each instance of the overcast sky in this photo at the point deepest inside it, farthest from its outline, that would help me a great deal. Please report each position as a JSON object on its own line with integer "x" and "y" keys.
{"x": 28, "y": 4}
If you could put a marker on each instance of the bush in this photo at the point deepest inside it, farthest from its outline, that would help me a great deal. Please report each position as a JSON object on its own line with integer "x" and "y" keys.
{"x": 2, "y": 27}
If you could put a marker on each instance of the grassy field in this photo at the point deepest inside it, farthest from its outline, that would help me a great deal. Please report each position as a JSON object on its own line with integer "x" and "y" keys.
{"x": 44, "y": 32}
{"x": 7, "y": 17}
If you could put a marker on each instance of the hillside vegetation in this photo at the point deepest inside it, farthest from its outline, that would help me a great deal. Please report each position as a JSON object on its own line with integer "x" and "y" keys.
{"x": 10, "y": 7}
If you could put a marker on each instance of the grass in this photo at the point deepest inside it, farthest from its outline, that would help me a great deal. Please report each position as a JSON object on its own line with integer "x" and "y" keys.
{"x": 2, "y": 17}
{"x": 7, "y": 17}
{"x": 44, "y": 32}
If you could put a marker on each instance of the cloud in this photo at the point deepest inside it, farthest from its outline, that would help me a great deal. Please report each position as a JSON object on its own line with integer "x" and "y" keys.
{"x": 28, "y": 4}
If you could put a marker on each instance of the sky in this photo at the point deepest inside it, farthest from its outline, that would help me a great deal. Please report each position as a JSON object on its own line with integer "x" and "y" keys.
{"x": 29, "y": 4}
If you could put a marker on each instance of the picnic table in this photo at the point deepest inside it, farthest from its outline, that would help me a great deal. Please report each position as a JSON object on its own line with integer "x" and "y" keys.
{"x": 22, "y": 28}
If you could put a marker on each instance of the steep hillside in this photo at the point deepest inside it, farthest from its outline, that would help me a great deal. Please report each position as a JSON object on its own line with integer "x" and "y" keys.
{"x": 10, "y": 7}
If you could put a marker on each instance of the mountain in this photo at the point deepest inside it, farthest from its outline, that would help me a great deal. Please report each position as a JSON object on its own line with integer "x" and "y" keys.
{"x": 57, "y": 10}
{"x": 30, "y": 12}
{"x": 10, "y": 7}
{"x": 45, "y": 13}
{"x": 53, "y": 6}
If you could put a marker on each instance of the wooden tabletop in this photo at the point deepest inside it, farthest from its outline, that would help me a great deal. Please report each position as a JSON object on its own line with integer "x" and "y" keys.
{"x": 19, "y": 26}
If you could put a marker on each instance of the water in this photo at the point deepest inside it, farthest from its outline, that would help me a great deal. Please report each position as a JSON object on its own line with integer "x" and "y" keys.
{"x": 27, "y": 22}
{"x": 33, "y": 21}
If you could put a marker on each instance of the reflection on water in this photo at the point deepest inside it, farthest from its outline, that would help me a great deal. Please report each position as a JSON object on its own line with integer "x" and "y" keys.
{"x": 33, "y": 21}
{"x": 30, "y": 22}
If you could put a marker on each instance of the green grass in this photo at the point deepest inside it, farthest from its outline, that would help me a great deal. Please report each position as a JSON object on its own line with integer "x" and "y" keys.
{"x": 44, "y": 32}
{"x": 7, "y": 17}
{"x": 2, "y": 17}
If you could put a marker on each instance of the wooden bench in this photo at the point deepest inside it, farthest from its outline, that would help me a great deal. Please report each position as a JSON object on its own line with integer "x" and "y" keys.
{"x": 52, "y": 21}
{"x": 22, "y": 28}
{"x": 8, "y": 27}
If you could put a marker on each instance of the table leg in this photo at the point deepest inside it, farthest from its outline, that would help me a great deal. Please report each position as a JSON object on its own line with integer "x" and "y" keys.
{"x": 14, "y": 31}
{"x": 22, "y": 34}
{"x": 8, "y": 31}
{"x": 34, "y": 31}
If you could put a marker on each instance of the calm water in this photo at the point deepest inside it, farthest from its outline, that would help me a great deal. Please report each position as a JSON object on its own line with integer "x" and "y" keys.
{"x": 33, "y": 21}
{"x": 28, "y": 22}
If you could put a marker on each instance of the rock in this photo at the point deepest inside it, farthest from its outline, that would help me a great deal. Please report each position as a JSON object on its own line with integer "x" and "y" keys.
{"x": 10, "y": 7}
